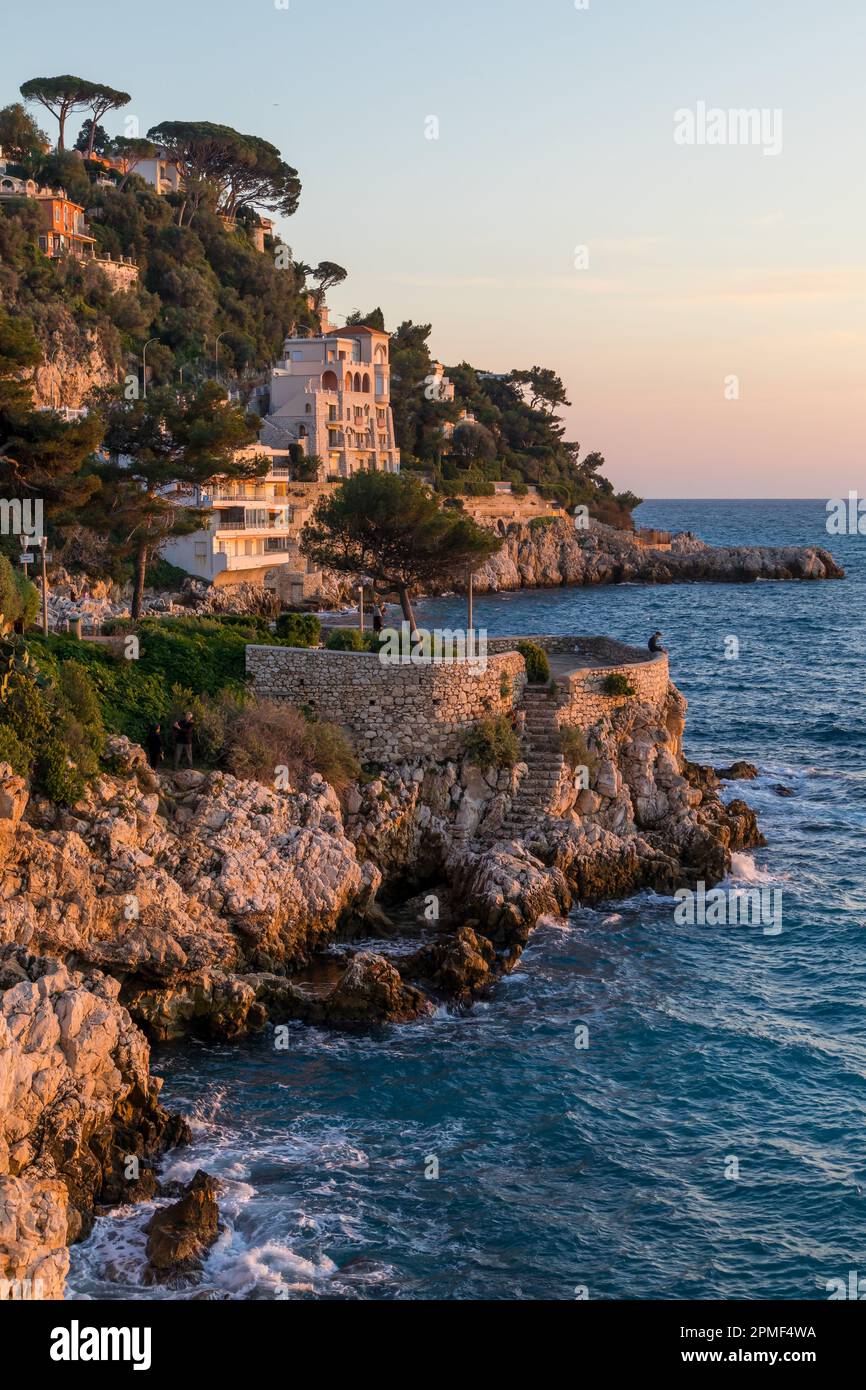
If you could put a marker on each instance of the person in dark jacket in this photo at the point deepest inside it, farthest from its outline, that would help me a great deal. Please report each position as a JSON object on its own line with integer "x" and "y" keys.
{"x": 183, "y": 730}
{"x": 377, "y": 618}
{"x": 155, "y": 748}
{"x": 654, "y": 643}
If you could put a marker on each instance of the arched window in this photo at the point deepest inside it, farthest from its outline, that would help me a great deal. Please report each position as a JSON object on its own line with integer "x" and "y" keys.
{"x": 302, "y": 432}
{"x": 308, "y": 409}
{"x": 357, "y": 381}
{"x": 381, "y": 353}
{"x": 366, "y": 383}
{"x": 329, "y": 381}
{"x": 348, "y": 381}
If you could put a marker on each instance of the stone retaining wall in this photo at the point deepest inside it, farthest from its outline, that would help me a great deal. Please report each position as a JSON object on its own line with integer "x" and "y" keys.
{"x": 392, "y": 712}
{"x": 421, "y": 713}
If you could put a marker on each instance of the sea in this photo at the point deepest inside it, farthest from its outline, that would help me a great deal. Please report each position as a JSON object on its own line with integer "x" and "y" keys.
{"x": 643, "y": 1109}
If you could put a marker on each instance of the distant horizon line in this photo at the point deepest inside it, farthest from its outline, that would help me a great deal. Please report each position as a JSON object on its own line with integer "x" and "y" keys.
{"x": 733, "y": 499}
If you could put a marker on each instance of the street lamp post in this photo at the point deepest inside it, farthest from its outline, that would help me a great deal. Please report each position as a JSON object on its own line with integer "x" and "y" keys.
{"x": 43, "y": 546}
{"x": 469, "y": 605}
{"x": 216, "y": 351}
{"x": 144, "y": 364}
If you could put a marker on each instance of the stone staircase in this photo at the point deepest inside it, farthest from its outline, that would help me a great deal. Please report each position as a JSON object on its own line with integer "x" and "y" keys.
{"x": 544, "y": 766}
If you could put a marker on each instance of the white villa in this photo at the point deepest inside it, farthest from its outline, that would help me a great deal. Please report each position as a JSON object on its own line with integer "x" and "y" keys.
{"x": 251, "y": 536}
{"x": 331, "y": 395}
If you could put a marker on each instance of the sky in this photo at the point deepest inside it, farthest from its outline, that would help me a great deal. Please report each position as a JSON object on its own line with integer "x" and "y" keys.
{"x": 703, "y": 301}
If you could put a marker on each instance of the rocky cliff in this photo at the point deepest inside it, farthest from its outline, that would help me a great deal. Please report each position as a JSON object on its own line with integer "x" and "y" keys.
{"x": 76, "y": 361}
{"x": 192, "y": 903}
{"x": 543, "y": 556}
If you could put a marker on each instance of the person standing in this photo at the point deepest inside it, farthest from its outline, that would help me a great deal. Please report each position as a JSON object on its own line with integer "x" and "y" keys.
{"x": 155, "y": 748}
{"x": 183, "y": 729}
{"x": 378, "y": 620}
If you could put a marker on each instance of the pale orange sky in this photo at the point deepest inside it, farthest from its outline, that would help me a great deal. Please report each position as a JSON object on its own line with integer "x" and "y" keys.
{"x": 556, "y": 129}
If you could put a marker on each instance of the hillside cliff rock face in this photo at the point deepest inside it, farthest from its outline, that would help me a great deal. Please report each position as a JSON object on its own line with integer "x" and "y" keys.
{"x": 540, "y": 557}
{"x": 80, "y": 1121}
{"x": 75, "y": 362}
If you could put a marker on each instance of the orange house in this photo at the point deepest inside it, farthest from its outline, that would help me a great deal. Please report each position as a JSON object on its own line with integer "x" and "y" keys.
{"x": 65, "y": 231}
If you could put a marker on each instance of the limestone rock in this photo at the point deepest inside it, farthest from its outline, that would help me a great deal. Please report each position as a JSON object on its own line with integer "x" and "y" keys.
{"x": 179, "y": 1236}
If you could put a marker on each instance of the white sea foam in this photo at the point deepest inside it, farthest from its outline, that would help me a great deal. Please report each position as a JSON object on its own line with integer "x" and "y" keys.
{"x": 743, "y": 867}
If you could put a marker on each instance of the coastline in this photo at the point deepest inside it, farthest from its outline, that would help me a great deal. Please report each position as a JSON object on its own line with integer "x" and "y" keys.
{"x": 207, "y": 907}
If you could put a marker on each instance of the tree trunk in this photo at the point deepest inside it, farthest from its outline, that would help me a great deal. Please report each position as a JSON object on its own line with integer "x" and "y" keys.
{"x": 406, "y": 605}
{"x": 138, "y": 588}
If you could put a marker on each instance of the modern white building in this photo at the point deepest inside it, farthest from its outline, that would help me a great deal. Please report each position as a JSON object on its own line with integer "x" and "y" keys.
{"x": 252, "y": 532}
{"x": 161, "y": 172}
{"x": 331, "y": 396}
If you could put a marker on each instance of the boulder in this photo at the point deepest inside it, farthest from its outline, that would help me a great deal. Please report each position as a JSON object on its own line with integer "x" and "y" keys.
{"x": 179, "y": 1236}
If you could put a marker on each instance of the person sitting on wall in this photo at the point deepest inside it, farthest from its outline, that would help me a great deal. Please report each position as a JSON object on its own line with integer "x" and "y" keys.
{"x": 654, "y": 643}
{"x": 183, "y": 729}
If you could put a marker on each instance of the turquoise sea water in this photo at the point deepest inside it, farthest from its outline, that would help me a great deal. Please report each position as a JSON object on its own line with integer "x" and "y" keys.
{"x": 602, "y": 1168}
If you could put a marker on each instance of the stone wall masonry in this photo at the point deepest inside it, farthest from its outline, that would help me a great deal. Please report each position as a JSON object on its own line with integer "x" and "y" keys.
{"x": 580, "y": 698}
{"x": 392, "y": 712}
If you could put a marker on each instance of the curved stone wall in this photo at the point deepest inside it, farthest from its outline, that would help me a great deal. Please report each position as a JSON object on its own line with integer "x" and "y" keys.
{"x": 396, "y": 712}
{"x": 580, "y": 697}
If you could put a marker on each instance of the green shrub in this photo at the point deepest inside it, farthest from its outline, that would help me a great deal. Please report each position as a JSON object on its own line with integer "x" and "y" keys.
{"x": 348, "y": 639}
{"x": 162, "y": 574}
{"x": 537, "y": 664}
{"x": 519, "y": 489}
{"x": 617, "y": 684}
{"x": 57, "y": 775}
{"x": 492, "y": 743}
{"x": 506, "y": 687}
{"x": 299, "y": 629}
{"x": 575, "y": 749}
{"x": 82, "y": 711}
{"x": 332, "y": 754}
{"x": 19, "y": 599}
{"x": 537, "y": 523}
{"x": 13, "y": 752}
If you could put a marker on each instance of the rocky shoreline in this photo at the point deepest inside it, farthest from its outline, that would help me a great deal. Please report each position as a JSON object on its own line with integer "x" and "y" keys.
{"x": 192, "y": 904}
{"x": 532, "y": 557}
{"x": 545, "y": 556}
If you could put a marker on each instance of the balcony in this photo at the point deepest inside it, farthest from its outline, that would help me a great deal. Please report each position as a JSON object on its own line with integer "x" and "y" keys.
{"x": 275, "y": 524}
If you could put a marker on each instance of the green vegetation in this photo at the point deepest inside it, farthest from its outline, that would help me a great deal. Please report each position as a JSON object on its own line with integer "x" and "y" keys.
{"x": 56, "y": 709}
{"x": 201, "y": 655}
{"x": 350, "y": 639}
{"x": 617, "y": 684}
{"x": 575, "y": 749}
{"x": 253, "y": 738}
{"x": 514, "y": 432}
{"x": 51, "y": 731}
{"x": 492, "y": 743}
{"x": 537, "y": 664}
{"x": 154, "y": 441}
{"x": 388, "y": 526}
{"x": 299, "y": 629}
